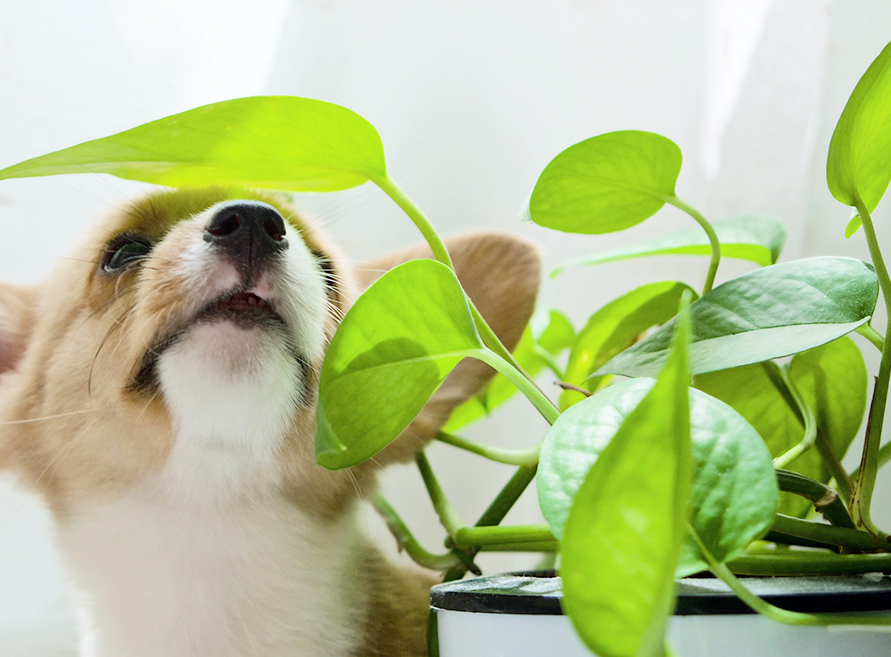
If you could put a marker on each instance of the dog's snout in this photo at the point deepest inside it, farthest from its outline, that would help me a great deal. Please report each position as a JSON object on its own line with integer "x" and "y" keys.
{"x": 248, "y": 230}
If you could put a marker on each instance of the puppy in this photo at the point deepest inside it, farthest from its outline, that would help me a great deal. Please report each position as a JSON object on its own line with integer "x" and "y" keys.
{"x": 158, "y": 392}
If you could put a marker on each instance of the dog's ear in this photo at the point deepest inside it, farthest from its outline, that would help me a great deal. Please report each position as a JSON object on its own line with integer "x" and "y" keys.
{"x": 17, "y": 314}
{"x": 501, "y": 274}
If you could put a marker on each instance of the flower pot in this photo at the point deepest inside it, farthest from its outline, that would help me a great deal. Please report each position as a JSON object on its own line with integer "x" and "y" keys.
{"x": 519, "y": 615}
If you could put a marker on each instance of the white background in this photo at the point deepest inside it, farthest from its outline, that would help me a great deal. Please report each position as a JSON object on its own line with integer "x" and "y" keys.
{"x": 472, "y": 99}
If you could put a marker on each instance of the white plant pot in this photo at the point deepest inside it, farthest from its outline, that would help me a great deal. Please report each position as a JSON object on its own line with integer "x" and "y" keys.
{"x": 518, "y": 615}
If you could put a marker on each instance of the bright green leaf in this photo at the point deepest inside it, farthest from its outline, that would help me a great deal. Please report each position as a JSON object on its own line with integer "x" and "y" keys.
{"x": 616, "y": 326}
{"x": 606, "y": 183}
{"x": 833, "y": 381}
{"x": 392, "y": 351}
{"x": 550, "y": 331}
{"x": 275, "y": 142}
{"x": 768, "y": 313}
{"x": 859, "y": 163}
{"x": 623, "y": 535}
{"x": 734, "y": 493}
{"x": 853, "y": 225}
{"x": 752, "y": 237}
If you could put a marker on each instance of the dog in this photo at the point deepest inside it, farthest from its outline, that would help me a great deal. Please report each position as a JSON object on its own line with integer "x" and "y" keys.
{"x": 158, "y": 391}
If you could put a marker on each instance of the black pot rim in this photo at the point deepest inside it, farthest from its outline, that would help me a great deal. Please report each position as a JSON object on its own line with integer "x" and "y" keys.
{"x": 538, "y": 593}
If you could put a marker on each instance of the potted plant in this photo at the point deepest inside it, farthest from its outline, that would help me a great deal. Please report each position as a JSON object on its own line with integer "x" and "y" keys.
{"x": 641, "y": 481}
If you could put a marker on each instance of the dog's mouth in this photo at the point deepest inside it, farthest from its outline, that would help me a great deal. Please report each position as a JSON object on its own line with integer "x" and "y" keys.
{"x": 245, "y": 309}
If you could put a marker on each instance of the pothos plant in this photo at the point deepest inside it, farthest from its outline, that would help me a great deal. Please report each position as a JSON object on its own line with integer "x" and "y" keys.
{"x": 641, "y": 480}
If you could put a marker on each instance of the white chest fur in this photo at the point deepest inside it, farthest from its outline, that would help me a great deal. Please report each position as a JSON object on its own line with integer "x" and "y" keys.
{"x": 154, "y": 580}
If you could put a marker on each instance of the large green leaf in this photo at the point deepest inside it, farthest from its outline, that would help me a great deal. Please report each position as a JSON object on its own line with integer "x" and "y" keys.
{"x": 752, "y": 237}
{"x": 392, "y": 351}
{"x": 623, "y": 535}
{"x": 833, "y": 381}
{"x": 768, "y": 313}
{"x": 734, "y": 494}
{"x": 616, "y": 326}
{"x": 550, "y": 332}
{"x": 277, "y": 142}
{"x": 859, "y": 163}
{"x": 606, "y": 183}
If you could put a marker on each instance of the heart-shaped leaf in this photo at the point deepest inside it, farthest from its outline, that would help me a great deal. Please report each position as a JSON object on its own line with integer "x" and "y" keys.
{"x": 623, "y": 535}
{"x": 616, "y": 326}
{"x": 392, "y": 351}
{"x": 833, "y": 381}
{"x": 734, "y": 494}
{"x": 753, "y": 237}
{"x": 275, "y": 142}
{"x": 549, "y": 332}
{"x": 606, "y": 183}
{"x": 768, "y": 313}
{"x": 860, "y": 149}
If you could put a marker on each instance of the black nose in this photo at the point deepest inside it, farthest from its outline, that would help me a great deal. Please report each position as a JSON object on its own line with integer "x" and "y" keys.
{"x": 250, "y": 231}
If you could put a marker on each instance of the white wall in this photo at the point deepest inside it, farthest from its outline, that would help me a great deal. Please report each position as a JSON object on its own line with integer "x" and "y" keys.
{"x": 472, "y": 98}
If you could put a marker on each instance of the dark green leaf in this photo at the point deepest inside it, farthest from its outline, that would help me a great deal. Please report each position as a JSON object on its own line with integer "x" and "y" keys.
{"x": 606, "y": 183}
{"x": 276, "y": 142}
{"x": 860, "y": 149}
{"x": 616, "y": 326}
{"x": 392, "y": 351}
{"x": 756, "y": 238}
{"x": 768, "y": 313}
{"x": 734, "y": 493}
{"x": 623, "y": 535}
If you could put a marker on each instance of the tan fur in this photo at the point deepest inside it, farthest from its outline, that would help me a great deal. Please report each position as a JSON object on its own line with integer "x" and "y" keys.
{"x": 74, "y": 428}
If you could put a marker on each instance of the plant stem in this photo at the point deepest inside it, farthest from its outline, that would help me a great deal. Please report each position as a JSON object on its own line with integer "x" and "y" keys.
{"x": 779, "y": 380}
{"x": 722, "y": 572}
{"x": 470, "y": 537}
{"x": 869, "y": 461}
{"x": 532, "y": 546}
{"x": 407, "y": 540}
{"x": 712, "y": 239}
{"x": 797, "y": 563}
{"x": 806, "y": 413}
{"x": 448, "y": 516}
{"x": 868, "y": 332}
{"x": 434, "y": 241}
{"x": 508, "y": 456}
{"x": 523, "y": 384}
{"x": 852, "y": 539}
{"x": 499, "y": 507}
{"x": 825, "y": 499}
{"x": 884, "y": 457}
{"x": 441, "y": 253}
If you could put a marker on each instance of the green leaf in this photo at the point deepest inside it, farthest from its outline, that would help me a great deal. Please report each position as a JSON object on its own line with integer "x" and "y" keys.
{"x": 275, "y": 142}
{"x": 853, "y": 225}
{"x": 616, "y": 326}
{"x": 734, "y": 494}
{"x": 392, "y": 351}
{"x": 768, "y": 313}
{"x": 552, "y": 331}
{"x": 860, "y": 149}
{"x": 549, "y": 331}
{"x": 606, "y": 183}
{"x": 833, "y": 381}
{"x": 623, "y": 535}
{"x": 756, "y": 238}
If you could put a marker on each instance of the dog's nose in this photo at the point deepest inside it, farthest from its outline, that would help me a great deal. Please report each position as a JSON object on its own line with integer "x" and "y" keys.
{"x": 249, "y": 230}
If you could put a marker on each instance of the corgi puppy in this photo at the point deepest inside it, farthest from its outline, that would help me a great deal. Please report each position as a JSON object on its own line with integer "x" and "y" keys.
{"x": 158, "y": 391}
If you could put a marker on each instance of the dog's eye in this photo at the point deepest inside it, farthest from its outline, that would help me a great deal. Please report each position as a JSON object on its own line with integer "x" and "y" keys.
{"x": 123, "y": 251}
